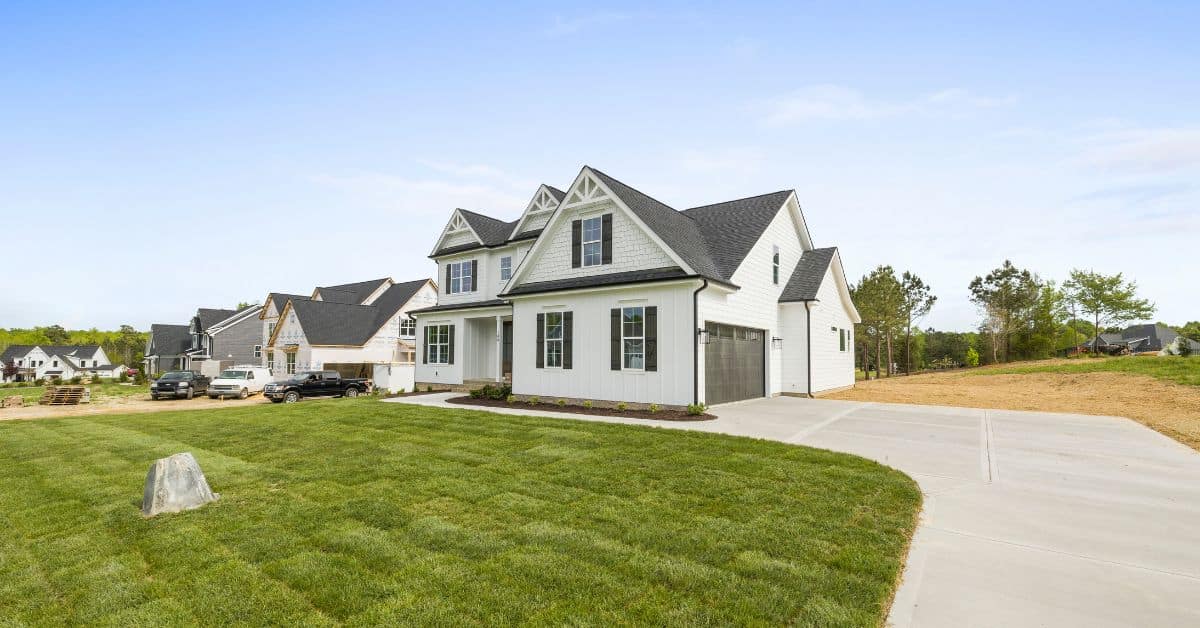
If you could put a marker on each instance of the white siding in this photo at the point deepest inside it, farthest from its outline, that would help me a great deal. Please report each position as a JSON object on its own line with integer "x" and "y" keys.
{"x": 794, "y": 359}
{"x": 459, "y": 239}
{"x": 488, "y": 284}
{"x": 591, "y": 376}
{"x": 832, "y": 368}
{"x": 451, "y": 374}
{"x": 756, "y": 304}
{"x": 632, "y": 248}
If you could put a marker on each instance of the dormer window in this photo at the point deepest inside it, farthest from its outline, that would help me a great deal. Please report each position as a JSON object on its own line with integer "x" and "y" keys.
{"x": 591, "y": 241}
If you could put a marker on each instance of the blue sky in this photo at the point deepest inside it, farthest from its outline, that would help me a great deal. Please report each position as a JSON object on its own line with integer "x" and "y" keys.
{"x": 201, "y": 154}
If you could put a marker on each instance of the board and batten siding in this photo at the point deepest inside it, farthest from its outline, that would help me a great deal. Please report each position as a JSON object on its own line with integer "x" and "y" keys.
{"x": 756, "y": 304}
{"x": 832, "y": 367}
{"x": 591, "y": 375}
{"x": 488, "y": 284}
{"x": 632, "y": 248}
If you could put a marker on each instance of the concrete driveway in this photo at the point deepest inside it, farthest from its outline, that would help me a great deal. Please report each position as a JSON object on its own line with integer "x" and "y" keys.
{"x": 1030, "y": 519}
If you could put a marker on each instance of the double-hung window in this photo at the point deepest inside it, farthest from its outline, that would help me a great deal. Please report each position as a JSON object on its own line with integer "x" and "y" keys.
{"x": 460, "y": 278}
{"x": 408, "y": 327}
{"x": 554, "y": 340}
{"x": 291, "y": 363}
{"x": 505, "y": 267}
{"x": 271, "y": 361}
{"x": 437, "y": 344}
{"x": 633, "y": 338}
{"x": 258, "y": 351}
{"x": 593, "y": 232}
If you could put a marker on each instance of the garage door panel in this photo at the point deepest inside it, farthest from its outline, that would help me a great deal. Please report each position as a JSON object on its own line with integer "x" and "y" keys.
{"x": 734, "y": 365}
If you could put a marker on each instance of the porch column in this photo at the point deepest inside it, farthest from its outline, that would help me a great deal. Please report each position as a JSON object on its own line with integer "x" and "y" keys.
{"x": 499, "y": 348}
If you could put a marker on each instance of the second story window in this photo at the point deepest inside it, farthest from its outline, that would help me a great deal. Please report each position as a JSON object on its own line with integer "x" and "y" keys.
{"x": 775, "y": 267}
{"x": 505, "y": 267}
{"x": 461, "y": 277}
{"x": 593, "y": 230}
{"x": 408, "y": 327}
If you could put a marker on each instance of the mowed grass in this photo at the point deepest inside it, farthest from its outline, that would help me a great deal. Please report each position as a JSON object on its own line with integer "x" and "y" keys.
{"x": 1175, "y": 369}
{"x": 106, "y": 390}
{"x": 363, "y": 512}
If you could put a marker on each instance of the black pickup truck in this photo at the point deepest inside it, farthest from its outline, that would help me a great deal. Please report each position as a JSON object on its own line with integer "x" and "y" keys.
{"x": 186, "y": 384}
{"x": 315, "y": 384}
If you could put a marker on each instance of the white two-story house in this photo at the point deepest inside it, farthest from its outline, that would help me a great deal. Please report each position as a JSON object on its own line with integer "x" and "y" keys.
{"x": 604, "y": 293}
{"x": 360, "y": 329}
{"x": 35, "y": 362}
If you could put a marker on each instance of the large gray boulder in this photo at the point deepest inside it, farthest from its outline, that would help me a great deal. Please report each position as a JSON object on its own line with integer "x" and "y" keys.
{"x": 174, "y": 484}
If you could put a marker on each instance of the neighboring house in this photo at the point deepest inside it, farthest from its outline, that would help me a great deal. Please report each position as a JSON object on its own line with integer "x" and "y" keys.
{"x": 355, "y": 329}
{"x": 34, "y": 362}
{"x": 602, "y": 292}
{"x": 166, "y": 348}
{"x": 223, "y": 338}
{"x": 1144, "y": 338}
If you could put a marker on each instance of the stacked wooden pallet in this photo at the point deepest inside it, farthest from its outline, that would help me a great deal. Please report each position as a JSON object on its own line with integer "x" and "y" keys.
{"x": 15, "y": 401}
{"x": 65, "y": 395}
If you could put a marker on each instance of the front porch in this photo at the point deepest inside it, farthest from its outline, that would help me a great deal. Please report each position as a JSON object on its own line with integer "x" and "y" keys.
{"x": 487, "y": 350}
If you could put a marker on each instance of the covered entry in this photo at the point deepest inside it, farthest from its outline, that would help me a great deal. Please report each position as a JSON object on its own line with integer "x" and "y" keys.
{"x": 734, "y": 363}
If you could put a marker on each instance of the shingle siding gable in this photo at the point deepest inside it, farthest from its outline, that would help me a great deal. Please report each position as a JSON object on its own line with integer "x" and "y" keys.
{"x": 633, "y": 249}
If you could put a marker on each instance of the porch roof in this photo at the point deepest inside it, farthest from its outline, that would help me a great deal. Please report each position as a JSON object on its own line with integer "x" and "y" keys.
{"x": 454, "y": 307}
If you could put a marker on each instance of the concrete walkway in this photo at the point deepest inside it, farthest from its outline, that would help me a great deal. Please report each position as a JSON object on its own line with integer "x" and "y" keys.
{"x": 1030, "y": 519}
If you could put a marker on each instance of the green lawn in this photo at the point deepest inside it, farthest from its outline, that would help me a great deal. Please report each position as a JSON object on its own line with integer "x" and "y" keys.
{"x": 1170, "y": 368}
{"x": 358, "y": 511}
{"x": 99, "y": 391}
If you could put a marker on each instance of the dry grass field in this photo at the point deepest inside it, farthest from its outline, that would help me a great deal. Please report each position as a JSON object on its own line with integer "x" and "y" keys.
{"x": 1145, "y": 389}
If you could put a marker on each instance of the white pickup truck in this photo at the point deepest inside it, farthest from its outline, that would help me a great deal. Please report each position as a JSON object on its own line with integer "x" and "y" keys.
{"x": 239, "y": 382}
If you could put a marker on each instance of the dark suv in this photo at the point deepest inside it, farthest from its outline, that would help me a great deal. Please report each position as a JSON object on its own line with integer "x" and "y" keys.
{"x": 176, "y": 384}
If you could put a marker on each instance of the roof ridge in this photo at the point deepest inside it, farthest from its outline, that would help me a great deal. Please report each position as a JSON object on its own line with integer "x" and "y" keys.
{"x": 738, "y": 200}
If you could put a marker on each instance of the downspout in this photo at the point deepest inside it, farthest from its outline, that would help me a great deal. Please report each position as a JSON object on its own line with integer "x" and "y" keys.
{"x": 808, "y": 342}
{"x": 696, "y": 342}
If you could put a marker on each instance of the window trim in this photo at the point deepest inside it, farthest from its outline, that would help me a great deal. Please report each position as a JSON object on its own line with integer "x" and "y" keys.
{"x": 258, "y": 351}
{"x": 775, "y": 266}
{"x": 642, "y": 338}
{"x": 431, "y": 345}
{"x": 505, "y": 268}
{"x": 411, "y": 324}
{"x": 290, "y": 363}
{"x": 464, "y": 275}
{"x": 598, "y": 242}
{"x": 271, "y": 360}
{"x": 547, "y": 340}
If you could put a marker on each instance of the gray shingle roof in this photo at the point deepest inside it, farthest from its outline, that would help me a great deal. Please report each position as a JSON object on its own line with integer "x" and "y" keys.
{"x": 169, "y": 340}
{"x": 337, "y": 323}
{"x": 806, "y": 279}
{"x": 350, "y": 292}
{"x": 212, "y": 316}
{"x": 280, "y": 299}
{"x": 448, "y": 307}
{"x": 732, "y": 228}
{"x": 12, "y": 352}
{"x": 610, "y": 279}
{"x": 494, "y": 232}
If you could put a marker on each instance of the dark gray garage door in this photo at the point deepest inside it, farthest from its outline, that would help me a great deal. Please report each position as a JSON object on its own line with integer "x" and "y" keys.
{"x": 734, "y": 368}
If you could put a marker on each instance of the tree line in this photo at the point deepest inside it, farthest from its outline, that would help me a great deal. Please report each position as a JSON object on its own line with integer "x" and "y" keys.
{"x": 123, "y": 346}
{"x": 1022, "y": 317}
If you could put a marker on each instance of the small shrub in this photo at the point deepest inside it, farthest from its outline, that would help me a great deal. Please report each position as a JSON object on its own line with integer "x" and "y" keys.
{"x": 588, "y": 404}
{"x": 972, "y": 357}
{"x": 124, "y": 377}
{"x": 511, "y": 399}
{"x": 400, "y": 392}
{"x": 696, "y": 409}
{"x": 561, "y": 402}
{"x": 654, "y": 407}
{"x": 476, "y": 393}
{"x": 428, "y": 388}
{"x": 622, "y": 406}
{"x": 1183, "y": 348}
{"x": 534, "y": 400}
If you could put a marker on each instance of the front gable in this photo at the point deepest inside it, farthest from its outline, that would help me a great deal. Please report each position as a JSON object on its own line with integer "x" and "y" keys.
{"x": 634, "y": 246}
{"x": 538, "y": 212}
{"x": 458, "y": 232}
{"x": 288, "y": 330}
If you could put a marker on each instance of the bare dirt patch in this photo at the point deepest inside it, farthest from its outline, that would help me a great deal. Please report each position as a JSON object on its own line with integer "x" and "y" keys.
{"x": 136, "y": 403}
{"x": 1171, "y": 409}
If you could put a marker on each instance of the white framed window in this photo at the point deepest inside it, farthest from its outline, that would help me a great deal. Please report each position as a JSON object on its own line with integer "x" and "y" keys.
{"x": 593, "y": 232}
{"x": 271, "y": 361}
{"x": 633, "y": 338}
{"x": 505, "y": 267}
{"x": 554, "y": 340}
{"x": 775, "y": 267}
{"x": 437, "y": 344}
{"x": 291, "y": 363}
{"x": 270, "y": 329}
{"x": 460, "y": 278}
{"x": 258, "y": 351}
{"x": 408, "y": 327}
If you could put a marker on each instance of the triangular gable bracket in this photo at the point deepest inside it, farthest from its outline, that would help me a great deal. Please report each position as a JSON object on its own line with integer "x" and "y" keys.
{"x": 585, "y": 191}
{"x": 543, "y": 203}
{"x": 458, "y": 224}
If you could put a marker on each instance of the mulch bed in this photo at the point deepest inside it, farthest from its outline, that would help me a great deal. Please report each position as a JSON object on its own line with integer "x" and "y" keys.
{"x": 661, "y": 415}
{"x": 415, "y": 393}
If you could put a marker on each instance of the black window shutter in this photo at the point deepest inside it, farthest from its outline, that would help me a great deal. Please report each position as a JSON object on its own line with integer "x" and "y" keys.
{"x": 450, "y": 359}
{"x": 447, "y": 278}
{"x": 606, "y": 239}
{"x": 652, "y": 338}
{"x": 425, "y": 349}
{"x": 567, "y": 339}
{"x": 474, "y": 274}
{"x": 576, "y": 239}
{"x": 614, "y": 345}
{"x": 541, "y": 341}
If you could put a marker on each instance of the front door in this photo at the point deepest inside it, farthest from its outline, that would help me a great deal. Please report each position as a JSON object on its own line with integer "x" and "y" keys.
{"x": 506, "y": 359}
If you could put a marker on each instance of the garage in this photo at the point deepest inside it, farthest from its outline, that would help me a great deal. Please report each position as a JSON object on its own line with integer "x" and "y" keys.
{"x": 734, "y": 364}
